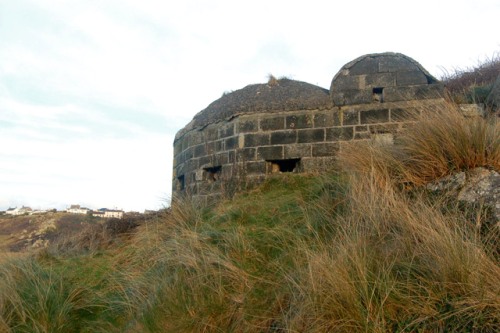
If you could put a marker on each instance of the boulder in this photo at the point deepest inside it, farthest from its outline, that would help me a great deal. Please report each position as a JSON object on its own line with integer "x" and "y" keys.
{"x": 477, "y": 186}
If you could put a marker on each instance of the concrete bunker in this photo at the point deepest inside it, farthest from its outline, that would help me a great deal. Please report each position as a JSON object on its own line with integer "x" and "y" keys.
{"x": 292, "y": 126}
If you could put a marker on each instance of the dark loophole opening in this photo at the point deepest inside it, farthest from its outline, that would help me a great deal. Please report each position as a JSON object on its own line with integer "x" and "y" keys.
{"x": 378, "y": 94}
{"x": 180, "y": 183}
{"x": 213, "y": 173}
{"x": 289, "y": 165}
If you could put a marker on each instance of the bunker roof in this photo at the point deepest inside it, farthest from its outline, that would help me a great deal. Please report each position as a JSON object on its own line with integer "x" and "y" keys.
{"x": 388, "y": 62}
{"x": 371, "y": 73}
{"x": 276, "y": 95}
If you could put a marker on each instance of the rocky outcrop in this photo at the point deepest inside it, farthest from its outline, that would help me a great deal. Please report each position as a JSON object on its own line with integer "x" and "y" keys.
{"x": 477, "y": 186}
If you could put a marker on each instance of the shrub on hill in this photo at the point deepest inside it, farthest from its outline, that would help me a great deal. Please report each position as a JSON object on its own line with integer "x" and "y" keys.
{"x": 473, "y": 84}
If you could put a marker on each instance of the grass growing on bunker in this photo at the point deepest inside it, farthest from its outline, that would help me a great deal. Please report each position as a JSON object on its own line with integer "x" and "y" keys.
{"x": 349, "y": 251}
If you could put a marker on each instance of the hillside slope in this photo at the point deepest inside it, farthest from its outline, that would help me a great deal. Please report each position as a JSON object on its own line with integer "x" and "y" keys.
{"x": 365, "y": 248}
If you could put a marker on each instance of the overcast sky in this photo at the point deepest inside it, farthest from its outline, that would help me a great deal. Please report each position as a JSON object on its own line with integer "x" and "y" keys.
{"x": 92, "y": 92}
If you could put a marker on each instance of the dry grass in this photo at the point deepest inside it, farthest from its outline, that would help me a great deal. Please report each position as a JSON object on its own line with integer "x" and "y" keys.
{"x": 472, "y": 84}
{"x": 396, "y": 265}
{"x": 352, "y": 251}
{"x": 439, "y": 144}
{"x": 447, "y": 142}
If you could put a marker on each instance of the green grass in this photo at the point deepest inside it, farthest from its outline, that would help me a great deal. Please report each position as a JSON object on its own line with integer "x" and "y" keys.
{"x": 350, "y": 251}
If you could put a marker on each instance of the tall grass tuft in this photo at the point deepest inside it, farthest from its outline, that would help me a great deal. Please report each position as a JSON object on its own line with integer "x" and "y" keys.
{"x": 446, "y": 142}
{"x": 39, "y": 297}
{"x": 439, "y": 144}
{"x": 395, "y": 265}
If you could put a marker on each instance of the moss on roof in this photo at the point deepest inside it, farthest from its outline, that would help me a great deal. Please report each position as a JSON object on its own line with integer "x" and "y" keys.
{"x": 276, "y": 95}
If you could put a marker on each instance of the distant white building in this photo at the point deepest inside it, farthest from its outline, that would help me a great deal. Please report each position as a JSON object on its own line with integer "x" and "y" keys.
{"x": 97, "y": 214}
{"x": 108, "y": 213}
{"x": 76, "y": 209}
{"x": 18, "y": 211}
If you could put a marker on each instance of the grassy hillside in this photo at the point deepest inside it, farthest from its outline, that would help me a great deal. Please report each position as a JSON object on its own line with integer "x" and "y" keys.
{"x": 364, "y": 248}
{"x": 22, "y": 233}
{"x": 26, "y": 233}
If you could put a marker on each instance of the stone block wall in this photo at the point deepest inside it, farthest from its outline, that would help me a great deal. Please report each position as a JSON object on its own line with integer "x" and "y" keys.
{"x": 243, "y": 151}
{"x": 374, "y": 96}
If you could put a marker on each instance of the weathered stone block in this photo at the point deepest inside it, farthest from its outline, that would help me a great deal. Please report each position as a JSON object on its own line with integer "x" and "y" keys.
{"x": 206, "y": 161}
{"x": 185, "y": 143}
{"x": 221, "y": 158}
{"x": 317, "y": 164}
{"x": 472, "y": 110}
{"x": 191, "y": 165}
{"x": 246, "y": 154}
{"x": 384, "y": 128}
{"x": 188, "y": 154}
{"x": 272, "y": 124}
{"x": 226, "y": 131}
{"x": 311, "y": 135}
{"x": 383, "y": 139}
{"x": 297, "y": 151}
{"x": 393, "y": 64}
{"x": 349, "y": 117}
{"x": 366, "y": 66}
{"x": 198, "y": 175}
{"x": 219, "y": 145}
{"x": 231, "y": 143}
{"x": 248, "y": 125}
{"x": 344, "y": 83}
{"x": 396, "y": 94}
{"x": 177, "y": 147}
{"x": 380, "y": 80}
{"x": 426, "y": 91}
{"x": 323, "y": 119}
{"x": 339, "y": 133}
{"x": 255, "y": 167}
{"x": 309, "y": 164}
{"x": 180, "y": 169}
{"x": 362, "y": 128}
{"x": 362, "y": 135}
{"x": 196, "y": 138}
{"x": 212, "y": 133}
{"x": 374, "y": 116}
{"x": 407, "y": 114}
{"x": 429, "y": 91}
{"x": 200, "y": 150}
{"x": 178, "y": 159}
{"x": 257, "y": 139}
{"x": 410, "y": 78}
{"x": 299, "y": 121}
{"x": 325, "y": 149}
{"x": 210, "y": 147}
{"x": 350, "y": 97}
{"x": 283, "y": 137}
{"x": 270, "y": 153}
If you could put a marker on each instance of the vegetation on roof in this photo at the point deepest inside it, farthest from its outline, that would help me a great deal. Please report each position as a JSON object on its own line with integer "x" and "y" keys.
{"x": 276, "y": 95}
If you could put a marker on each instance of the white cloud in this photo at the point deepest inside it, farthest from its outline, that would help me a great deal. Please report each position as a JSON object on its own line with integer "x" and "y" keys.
{"x": 126, "y": 173}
